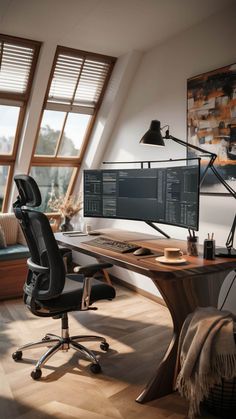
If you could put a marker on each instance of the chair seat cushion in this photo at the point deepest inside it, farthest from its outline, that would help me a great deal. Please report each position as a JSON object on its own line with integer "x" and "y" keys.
{"x": 15, "y": 251}
{"x": 71, "y": 297}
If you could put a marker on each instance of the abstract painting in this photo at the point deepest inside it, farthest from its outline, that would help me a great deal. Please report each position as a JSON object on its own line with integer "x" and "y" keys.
{"x": 211, "y": 123}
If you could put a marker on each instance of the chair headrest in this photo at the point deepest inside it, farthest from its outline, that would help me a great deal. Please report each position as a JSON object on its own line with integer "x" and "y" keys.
{"x": 29, "y": 193}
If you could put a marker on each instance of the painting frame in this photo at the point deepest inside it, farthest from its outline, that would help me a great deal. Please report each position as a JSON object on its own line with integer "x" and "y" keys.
{"x": 211, "y": 124}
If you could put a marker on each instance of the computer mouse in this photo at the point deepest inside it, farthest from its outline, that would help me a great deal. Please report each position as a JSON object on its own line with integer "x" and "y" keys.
{"x": 141, "y": 251}
{"x": 94, "y": 233}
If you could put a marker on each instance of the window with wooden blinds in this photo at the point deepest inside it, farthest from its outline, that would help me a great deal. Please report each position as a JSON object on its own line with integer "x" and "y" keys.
{"x": 74, "y": 94}
{"x": 17, "y": 62}
{"x": 18, "y": 58}
{"x": 78, "y": 80}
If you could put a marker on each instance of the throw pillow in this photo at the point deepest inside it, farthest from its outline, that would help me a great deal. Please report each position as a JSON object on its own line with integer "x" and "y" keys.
{"x": 9, "y": 224}
{"x": 21, "y": 237}
{"x": 3, "y": 243}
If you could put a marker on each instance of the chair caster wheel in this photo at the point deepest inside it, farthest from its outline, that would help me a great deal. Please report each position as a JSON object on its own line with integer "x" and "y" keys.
{"x": 104, "y": 346}
{"x": 36, "y": 374}
{"x": 17, "y": 355}
{"x": 95, "y": 368}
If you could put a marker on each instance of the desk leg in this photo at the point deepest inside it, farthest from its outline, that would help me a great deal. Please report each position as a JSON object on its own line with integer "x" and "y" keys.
{"x": 107, "y": 276}
{"x": 182, "y": 296}
{"x": 162, "y": 383}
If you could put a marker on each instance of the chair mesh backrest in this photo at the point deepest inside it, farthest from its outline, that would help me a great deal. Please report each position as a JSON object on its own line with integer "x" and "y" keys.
{"x": 42, "y": 245}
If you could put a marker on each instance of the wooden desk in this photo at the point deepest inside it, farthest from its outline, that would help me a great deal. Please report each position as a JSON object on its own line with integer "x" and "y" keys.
{"x": 183, "y": 288}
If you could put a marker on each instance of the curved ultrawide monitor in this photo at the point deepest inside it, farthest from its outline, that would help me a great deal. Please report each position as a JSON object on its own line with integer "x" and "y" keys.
{"x": 162, "y": 195}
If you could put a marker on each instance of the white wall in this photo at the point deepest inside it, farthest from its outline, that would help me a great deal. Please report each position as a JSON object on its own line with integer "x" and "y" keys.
{"x": 115, "y": 96}
{"x": 158, "y": 91}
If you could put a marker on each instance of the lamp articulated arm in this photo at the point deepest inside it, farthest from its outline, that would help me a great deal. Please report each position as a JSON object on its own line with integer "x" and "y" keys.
{"x": 212, "y": 157}
{"x": 230, "y": 240}
{"x": 224, "y": 183}
{"x": 154, "y": 137}
{"x": 206, "y": 153}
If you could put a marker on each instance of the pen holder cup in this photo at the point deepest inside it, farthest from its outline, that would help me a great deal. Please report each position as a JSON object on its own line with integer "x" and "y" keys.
{"x": 192, "y": 245}
{"x": 209, "y": 249}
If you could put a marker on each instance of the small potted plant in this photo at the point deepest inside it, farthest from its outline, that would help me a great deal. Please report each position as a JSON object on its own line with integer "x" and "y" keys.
{"x": 67, "y": 207}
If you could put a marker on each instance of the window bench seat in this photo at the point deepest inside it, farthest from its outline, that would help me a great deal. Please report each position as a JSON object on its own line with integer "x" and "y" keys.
{"x": 13, "y": 257}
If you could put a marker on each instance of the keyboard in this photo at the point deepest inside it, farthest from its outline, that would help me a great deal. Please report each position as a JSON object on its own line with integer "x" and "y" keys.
{"x": 114, "y": 245}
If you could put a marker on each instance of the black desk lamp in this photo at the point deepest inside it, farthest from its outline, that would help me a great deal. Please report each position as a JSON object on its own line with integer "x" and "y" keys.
{"x": 154, "y": 137}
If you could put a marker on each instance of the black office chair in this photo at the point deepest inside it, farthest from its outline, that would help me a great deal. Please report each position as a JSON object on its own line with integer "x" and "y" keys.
{"x": 48, "y": 290}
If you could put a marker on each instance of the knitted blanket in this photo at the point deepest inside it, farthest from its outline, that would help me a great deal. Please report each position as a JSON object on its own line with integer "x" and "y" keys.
{"x": 207, "y": 352}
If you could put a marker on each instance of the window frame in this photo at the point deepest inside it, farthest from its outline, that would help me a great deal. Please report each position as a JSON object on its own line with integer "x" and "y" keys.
{"x": 19, "y": 100}
{"x": 69, "y": 161}
{"x": 9, "y": 182}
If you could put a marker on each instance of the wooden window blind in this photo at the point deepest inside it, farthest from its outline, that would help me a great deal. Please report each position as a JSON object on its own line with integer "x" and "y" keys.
{"x": 76, "y": 87}
{"x": 17, "y": 63}
{"x": 18, "y": 58}
{"x": 78, "y": 80}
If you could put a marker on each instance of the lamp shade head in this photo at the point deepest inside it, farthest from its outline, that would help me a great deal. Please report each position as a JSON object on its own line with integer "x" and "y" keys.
{"x": 153, "y": 135}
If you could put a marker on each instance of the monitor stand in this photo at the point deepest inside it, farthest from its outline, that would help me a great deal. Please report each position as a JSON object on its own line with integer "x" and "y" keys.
{"x": 150, "y": 223}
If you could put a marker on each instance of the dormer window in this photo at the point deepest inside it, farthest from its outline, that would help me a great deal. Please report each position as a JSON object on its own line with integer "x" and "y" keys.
{"x": 18, "y": 58}
{"x": 74, "y": 94}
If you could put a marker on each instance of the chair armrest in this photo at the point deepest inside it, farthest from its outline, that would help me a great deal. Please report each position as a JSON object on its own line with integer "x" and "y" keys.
{"x": 37, "y": 268}
{"x": 90, "y": 270}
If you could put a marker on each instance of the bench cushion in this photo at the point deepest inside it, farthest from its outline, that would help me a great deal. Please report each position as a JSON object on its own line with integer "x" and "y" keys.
{"x": 16, "y": 251}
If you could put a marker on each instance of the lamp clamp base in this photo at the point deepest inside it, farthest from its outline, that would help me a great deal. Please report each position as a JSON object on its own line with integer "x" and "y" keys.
{"x": 223, "y": 252}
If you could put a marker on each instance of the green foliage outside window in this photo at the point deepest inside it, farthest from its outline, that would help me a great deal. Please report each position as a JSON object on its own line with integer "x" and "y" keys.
{"x": 48, "y": 138}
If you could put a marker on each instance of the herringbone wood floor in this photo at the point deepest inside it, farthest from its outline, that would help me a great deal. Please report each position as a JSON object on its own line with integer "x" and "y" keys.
{"x": 138, "y": 331}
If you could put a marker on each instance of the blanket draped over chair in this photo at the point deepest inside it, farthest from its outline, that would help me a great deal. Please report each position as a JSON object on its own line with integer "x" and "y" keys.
{"x": 207, "y": 353}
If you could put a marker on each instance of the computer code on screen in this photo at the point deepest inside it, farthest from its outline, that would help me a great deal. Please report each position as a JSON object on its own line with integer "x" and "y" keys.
{"x": 164, "y": 195}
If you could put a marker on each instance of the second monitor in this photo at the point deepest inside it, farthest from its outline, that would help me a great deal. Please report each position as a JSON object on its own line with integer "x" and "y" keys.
{"x": 163, "y": 195}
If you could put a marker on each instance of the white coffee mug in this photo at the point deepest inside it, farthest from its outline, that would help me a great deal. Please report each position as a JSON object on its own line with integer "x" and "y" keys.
{"x": 172, "y": 253}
